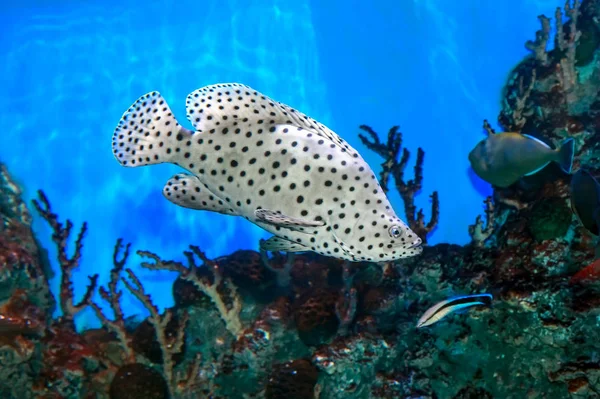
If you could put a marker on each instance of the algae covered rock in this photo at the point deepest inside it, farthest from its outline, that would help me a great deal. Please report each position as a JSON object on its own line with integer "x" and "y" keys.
{"x": 292, "y": 380}
{"x": 550, "y": 219}
{"x": 136, "y": 381}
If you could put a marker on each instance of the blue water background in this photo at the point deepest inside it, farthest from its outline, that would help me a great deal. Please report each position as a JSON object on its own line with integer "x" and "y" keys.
{"x": 70, "y": 69}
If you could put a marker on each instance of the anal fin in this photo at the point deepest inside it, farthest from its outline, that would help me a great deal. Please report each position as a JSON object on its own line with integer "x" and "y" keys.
{"x": 281, "y": 220}
{"x": 533, "y": 172}
{"x": 189, "y": 192}
{"x": 275, "y": 243}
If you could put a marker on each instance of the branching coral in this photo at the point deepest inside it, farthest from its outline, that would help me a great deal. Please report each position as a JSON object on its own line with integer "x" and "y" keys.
{"x": 546, "y": 90}
{"x": 113, "y": 297}
{"x": 64, "y": 351}
{"x": 481, "y": 231}
{"x": 390, "y": 152}
{"x": 60, "y": 235}
{"x": 167, "y": 346}
{"x": 538, "y": 47}
{"x": 568, "y": 75}
{"x": 565, "y": 46}
{"x": 520, "y": 111}
{"x": 229, "y": 314}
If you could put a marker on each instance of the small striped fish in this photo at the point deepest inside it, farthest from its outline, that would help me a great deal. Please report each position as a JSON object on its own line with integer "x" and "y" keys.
{"x": 442, "y": 309}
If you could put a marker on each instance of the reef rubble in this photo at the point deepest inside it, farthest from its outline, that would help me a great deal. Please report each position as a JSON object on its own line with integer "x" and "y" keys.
{"x": 257, "y": 325}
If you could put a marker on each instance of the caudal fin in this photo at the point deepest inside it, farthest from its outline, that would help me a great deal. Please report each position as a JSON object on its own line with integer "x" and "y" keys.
{"x": 148, "y": 133}
{"x": 565, "y": 155}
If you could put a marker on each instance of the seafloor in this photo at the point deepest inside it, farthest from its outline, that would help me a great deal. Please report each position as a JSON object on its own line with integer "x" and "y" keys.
{"x": 250, "y": 326}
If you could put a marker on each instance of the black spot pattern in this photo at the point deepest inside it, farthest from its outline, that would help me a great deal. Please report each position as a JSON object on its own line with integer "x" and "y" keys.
{"x": 256, "y": 153}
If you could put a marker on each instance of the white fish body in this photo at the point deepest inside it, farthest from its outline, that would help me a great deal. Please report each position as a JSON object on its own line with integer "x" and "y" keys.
{"x": 253, "y": 157}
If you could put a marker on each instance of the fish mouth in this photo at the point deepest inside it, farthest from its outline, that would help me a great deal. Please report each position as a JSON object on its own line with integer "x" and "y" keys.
{"x": 416, "y": 247}
{"x": 416, "y": 244}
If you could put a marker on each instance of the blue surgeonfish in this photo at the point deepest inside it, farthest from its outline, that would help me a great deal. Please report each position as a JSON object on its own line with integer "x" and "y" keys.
{"x": 503, "y": 158}
{"x": 442, "y": 309}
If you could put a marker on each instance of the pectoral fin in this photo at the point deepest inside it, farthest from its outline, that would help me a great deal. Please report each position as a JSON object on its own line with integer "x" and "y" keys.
{"x": 343, "y": 246}
{"x": 281, "y": 244}
{"x": 189, "y": 192}
{"x": 281, "y": 220}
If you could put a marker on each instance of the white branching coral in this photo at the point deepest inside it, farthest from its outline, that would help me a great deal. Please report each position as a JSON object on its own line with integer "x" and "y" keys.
{"x": 481, "y": 231}
{"x": 230, "y": 312}
{"x": 565, "y": 44}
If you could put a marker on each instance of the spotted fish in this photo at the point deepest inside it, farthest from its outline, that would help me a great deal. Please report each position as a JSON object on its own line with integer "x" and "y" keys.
{"x": 257, "y": 158}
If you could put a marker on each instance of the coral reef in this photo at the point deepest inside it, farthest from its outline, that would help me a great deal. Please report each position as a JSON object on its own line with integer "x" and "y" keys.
{"x": 252, "y": 325}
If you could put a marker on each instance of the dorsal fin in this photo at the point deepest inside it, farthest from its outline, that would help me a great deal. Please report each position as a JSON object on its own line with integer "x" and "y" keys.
{"x": 538, "y": 140}
{"x": 235, "y": 107}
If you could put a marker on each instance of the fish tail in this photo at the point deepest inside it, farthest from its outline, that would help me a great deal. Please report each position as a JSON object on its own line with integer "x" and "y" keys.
{"x": 566, "y": 153}
{"x": 148, "y": 133}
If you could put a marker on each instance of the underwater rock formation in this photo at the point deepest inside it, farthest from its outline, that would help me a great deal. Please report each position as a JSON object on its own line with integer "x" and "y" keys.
{"x": 253, "y": 325}
{"x": 138, "y": 381}
{"x": 26, "y": 304}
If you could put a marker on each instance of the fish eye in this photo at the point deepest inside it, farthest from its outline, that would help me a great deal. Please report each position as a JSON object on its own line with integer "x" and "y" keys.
{"x": 395, "y": 231}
